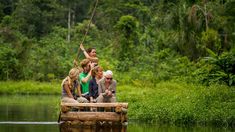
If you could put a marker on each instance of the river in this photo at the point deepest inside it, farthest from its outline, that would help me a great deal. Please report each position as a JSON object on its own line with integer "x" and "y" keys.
{"x": 37, "y": 113}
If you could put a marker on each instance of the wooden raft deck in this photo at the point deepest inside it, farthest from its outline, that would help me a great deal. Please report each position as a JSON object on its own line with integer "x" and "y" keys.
{"x": 81, "y": 112}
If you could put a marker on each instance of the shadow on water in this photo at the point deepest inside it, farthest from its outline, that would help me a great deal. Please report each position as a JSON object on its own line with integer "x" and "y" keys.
{"x": 92, "y": 128}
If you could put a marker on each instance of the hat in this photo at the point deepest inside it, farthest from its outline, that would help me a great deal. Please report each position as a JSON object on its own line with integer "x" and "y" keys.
{"x": 108, "y": 72}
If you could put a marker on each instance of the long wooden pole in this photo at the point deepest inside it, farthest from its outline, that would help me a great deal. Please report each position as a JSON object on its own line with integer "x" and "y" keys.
{"x": 93, "y": 13}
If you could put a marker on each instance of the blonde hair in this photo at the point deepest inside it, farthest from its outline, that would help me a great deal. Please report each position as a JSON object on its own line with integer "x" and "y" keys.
{"x": 72, "y": 73}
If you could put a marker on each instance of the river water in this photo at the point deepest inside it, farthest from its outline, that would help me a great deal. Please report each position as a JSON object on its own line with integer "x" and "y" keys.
{"x": 36, "y": 113}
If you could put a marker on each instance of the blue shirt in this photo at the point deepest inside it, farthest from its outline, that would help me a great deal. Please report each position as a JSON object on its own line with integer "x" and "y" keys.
{"x": 93, "y": 88}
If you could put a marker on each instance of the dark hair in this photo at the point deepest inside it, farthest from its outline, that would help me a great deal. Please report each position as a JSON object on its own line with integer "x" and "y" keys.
{"x": 89, "y": 50}
{"x": 84, "y": 62}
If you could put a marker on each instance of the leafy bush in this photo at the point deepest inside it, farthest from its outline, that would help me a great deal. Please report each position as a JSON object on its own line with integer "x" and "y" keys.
{"x": 217, "y": 69}
{"x": 127, "y": 27}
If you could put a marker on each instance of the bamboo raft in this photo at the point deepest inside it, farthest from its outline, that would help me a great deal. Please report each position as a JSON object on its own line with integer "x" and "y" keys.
{"x": 81, "y": 113}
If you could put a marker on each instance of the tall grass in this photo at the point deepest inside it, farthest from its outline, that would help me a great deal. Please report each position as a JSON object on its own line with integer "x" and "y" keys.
{"x": 29, "y": 87}
{"x": 181, "y": 103}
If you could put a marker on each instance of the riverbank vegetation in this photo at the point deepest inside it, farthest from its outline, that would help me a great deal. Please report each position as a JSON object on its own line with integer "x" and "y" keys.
{"x": 174, "y": 61}
{"x": 181, "y": 103}
{"x": 29, "y": 88}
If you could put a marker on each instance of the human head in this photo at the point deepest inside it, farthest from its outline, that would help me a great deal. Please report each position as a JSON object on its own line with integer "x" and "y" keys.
{"x": 85, "y": 64}
{"x": 73, "y": 73}
{"x": 91, "y": 52}
{"x": 98, "y": 71}
{"x": 108, "y": 76}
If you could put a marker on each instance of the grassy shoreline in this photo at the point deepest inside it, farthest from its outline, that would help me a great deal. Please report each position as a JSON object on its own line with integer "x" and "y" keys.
{"x": 30, "y": 87}
{"x": 168, "y": 102}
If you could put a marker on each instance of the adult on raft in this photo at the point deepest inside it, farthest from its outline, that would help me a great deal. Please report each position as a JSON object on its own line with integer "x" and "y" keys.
{"x": 71, "y": 92}
{"x": 90, "y": 54}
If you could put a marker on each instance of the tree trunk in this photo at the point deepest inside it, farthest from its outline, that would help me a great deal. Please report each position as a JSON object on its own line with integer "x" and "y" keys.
{"x": 69, "y": 24}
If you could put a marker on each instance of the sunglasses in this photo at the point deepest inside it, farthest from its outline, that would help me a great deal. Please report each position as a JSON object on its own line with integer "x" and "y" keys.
{"x": 109, "y": 78}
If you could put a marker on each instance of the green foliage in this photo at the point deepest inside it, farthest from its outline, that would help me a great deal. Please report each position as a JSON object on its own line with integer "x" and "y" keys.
{"x": 78, "y": 33}
{"x": 210, "y": 39}
{"x": 30, "y": 87}
{"x": 146, "y": 43}
{"x": 137, "y": 9}
{"x": 7, "y": 8}
{"x": 6, "y": 21}
{"x": 7, "y": 55}
{"x": 53, "y": 56}
{"x": 150, "y": 41}
{"x": 159, "y": 66}
{"x": 127, "y": 27}
{"x": 217, "y": 69}
{"x": 35, "y": 18}
{"x": 180, "y": 103}
{"x": 14, "y": 52}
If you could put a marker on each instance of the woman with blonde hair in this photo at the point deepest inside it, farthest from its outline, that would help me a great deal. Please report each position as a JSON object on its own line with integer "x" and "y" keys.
{"x": 69, "y": 87}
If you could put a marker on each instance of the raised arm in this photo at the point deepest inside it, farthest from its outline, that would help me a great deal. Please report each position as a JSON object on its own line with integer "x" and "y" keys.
{"x": 86, "y": 79}
{"x": 93, "y": 59}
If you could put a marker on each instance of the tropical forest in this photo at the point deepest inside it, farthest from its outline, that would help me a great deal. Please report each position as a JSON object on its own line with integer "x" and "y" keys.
{"x": 173, "y": 60}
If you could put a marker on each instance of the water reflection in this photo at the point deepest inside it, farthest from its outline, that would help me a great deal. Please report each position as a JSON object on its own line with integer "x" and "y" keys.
{"x": 92, "y": 128}
{"x": 29, "y": 108}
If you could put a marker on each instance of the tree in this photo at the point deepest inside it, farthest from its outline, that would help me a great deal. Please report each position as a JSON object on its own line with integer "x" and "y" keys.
{"x": 15, "y": 49}
{"x": 76, "y": 12}
{"x": 35, "y": 18}
{"x": 127, "y": 27}
{"x": 7, "y": 7}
